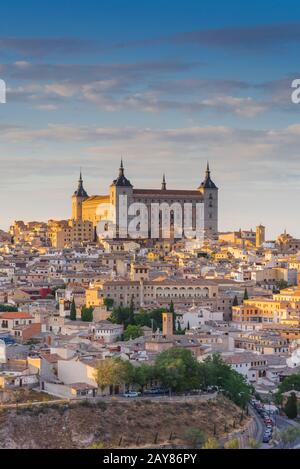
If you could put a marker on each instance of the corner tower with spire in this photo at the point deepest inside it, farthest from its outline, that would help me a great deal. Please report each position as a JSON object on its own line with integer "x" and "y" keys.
{"x": 121, "y": 186}
{"x": 78, "y": 197}
{"x": 210, "y": 198}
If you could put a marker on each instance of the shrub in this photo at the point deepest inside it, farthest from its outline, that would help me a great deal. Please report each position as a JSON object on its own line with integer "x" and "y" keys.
{"x": 211, "y": 443}
{"x": 232, "y": 444}
{"x": 102, "y": 405}
{"x": 97, "y": 445}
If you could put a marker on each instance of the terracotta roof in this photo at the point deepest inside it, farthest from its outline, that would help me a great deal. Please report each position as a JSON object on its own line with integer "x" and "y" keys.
{"x": 15, "y": 315}
{"x": 50, "y": 357}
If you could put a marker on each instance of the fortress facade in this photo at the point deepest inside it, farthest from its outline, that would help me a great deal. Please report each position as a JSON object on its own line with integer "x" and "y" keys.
{"x": 95, "y": 208}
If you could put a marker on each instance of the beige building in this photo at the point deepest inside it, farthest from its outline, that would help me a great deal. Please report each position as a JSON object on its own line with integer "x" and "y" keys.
{"x": 150, "y": 293}
{"x": 66, "y": 233}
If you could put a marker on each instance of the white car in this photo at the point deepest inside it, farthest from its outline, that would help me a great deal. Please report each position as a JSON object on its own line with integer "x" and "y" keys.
{"x": 132, "y": 394}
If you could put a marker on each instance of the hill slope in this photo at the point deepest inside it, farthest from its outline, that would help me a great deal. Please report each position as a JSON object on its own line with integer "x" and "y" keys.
{"x": 137, "y": 422}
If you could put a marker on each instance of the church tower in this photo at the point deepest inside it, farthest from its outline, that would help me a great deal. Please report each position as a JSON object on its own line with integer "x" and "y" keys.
{"x": 210, "y": 199}
{"x": 120, "y": 187}
{"x": 77, "y": 198}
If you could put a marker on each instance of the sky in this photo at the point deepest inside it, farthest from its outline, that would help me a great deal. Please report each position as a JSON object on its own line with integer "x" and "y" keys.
{"x": 167, "y": 86}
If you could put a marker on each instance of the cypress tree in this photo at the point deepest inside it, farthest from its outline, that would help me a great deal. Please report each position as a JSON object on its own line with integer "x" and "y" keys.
{"x": 290, "y": 408}
{"x": 73, "y": 311}
{"x": 235, "y": 301}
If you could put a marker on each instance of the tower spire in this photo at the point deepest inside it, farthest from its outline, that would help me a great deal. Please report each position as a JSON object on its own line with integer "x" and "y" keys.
{"x": 80, "y": 190}
{"x": 121, "y": 169}
{"x": 164, "y": 184}
{"x": 207, "y": 183}
{"x": 207, "y": 169}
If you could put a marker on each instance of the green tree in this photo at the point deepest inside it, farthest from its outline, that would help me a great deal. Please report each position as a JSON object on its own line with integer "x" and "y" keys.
{"x": 132, "y": 332}
{"x": 114, "y": 372}
{"x": 145, "y": 319}
{"x": 156, "y": 316}
{"x": 282, "y": 284}
{"x": 131, "y": 311}
{"x": 8, "y": 308}
{"x": 290, "y": 383}
{"x": 246, "y": 297}
{"x": 121, "y": 315}
{"x": 143, "y": 375}
{"x": 172, "y": 307}
{"x": 87, "y": 313}
{"x": 177, "y": 369}
{"x": 108, "y": 302}
{"x": 290, "y": 407}
{"x": 73, "y": 311}
{"x": 142, "y": 319}
{"x": 234, "y": 384}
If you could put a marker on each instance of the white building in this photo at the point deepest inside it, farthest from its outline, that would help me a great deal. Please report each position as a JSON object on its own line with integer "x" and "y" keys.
{"x": 106, "y": 331}
{"x": 197, "y": 316}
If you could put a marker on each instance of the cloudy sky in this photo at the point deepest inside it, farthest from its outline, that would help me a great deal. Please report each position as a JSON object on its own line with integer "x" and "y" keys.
{"x": 168, "y": 86}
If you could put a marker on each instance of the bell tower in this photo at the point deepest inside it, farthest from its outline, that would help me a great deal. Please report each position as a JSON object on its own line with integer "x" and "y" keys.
{"x": 77, "y": 198}
{"x": 210, "y": 200}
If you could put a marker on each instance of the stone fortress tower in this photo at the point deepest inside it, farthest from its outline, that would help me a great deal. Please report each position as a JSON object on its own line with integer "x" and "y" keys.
{"x": 210, "y": 198}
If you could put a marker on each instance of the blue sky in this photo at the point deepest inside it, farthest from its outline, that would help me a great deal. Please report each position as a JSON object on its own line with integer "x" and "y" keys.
{"x": 167, "y": 85}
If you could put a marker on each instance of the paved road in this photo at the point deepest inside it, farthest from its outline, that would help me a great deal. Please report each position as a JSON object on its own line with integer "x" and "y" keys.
{"x": 259, "y": 426}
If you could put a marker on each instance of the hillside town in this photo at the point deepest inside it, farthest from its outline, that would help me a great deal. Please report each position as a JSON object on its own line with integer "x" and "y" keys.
{"x": 92, "y": 316}
{"x": 63, "y": 311}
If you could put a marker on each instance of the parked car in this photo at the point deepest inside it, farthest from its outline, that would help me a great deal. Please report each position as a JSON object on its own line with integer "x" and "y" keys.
{"x": 155, "y": 390}
{"x": 268, "y": 421}
{"x": 266, "y": 438}
{"x": 131, "y": 394}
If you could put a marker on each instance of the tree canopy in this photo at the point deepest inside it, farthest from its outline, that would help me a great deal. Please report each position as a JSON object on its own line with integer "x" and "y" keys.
{"x": 8, "y": 308}
{"x": 87, "y": 313}
{"x": 114, "y": 371}
{"x": 290, "y": 407}
{"x": 178, "y": 370}
{"x": 132, "y": 332}
{"x": 290, "y": 383}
